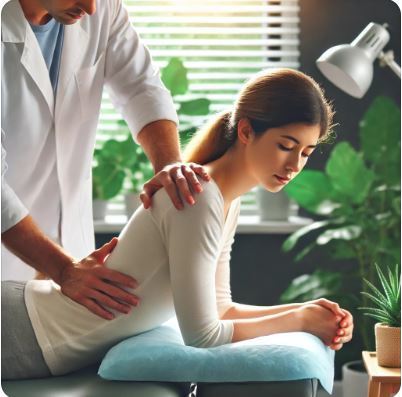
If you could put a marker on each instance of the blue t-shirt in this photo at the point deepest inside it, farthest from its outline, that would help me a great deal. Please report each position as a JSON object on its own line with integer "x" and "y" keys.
{"x": 50, "y": 39}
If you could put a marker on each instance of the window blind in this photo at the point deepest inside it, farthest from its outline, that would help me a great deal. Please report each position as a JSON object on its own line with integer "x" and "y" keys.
{"x": 221, "y": 43}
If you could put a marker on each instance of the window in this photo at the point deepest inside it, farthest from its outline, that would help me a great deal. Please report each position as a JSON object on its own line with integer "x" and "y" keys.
{"x": 221, "y": 43}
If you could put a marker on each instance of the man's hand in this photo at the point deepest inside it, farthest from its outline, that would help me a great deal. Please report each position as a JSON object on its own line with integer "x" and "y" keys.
{"x": 94, "y": 286}
{"x": 175, "y": 178}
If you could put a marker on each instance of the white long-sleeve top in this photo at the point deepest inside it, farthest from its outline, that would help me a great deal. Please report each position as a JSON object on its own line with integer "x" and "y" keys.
{"x": 181, "y": 261}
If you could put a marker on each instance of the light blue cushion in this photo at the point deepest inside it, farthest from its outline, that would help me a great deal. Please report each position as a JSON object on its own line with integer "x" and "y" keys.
{"x": 160, "y": 355}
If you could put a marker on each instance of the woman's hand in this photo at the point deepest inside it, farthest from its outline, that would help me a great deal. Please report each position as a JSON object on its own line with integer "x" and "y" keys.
{"x": 344, "y": 320}
{"x": 333, "y": 306}
{"x": 345, "y": 331}
{"x": 319, "y": 321}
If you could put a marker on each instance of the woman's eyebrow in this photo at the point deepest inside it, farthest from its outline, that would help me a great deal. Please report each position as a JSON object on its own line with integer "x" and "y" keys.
{"x": 295, "y": 140}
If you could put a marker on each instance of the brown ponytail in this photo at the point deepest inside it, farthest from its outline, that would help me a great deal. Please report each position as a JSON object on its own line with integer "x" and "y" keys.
{"x": 212, "y": 141}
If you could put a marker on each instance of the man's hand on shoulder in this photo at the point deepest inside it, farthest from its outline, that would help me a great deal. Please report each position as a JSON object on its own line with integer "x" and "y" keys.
{"x": 175, "y": 178}
{"x": 94, "y": 286}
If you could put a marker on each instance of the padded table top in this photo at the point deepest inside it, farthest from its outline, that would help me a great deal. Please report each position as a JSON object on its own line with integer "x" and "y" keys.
{"x": 86, "y": 383}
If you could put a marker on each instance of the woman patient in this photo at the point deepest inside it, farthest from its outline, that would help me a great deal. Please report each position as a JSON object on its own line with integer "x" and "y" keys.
{"x": 181, "y": 258}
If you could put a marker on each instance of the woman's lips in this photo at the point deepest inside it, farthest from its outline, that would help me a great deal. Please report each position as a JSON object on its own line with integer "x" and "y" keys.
{"x": 282, "y": 180}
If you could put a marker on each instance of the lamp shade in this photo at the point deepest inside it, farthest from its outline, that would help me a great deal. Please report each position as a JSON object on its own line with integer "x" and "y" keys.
{"x": 350, "y": 66}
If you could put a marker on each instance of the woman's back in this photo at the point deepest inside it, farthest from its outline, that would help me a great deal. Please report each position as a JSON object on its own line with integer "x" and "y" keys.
{"x": 173, "y": 255}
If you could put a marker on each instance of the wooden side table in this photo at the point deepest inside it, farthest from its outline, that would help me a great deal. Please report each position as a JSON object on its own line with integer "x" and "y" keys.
{"x": 383, "y": 381}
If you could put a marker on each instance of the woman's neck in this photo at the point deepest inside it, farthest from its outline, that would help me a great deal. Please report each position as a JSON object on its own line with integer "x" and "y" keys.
{"x": 230, "y": 174}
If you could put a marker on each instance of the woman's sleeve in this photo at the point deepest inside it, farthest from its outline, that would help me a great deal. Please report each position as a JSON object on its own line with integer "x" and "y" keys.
{"x": 223, "y": 291}
{"x": 192, "y": 238}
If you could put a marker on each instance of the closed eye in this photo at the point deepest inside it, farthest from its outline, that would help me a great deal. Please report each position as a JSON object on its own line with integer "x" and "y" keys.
{"x": 287, "y": 149}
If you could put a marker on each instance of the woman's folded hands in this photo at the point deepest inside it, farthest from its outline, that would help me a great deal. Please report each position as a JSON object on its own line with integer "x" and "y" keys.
{"x": 325, "y": 319}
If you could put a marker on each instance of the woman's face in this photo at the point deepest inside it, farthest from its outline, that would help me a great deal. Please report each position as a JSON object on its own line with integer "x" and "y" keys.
{"x": 277, "y": 156}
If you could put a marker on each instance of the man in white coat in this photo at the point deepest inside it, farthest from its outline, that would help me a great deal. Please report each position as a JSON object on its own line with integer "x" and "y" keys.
{"x": 57, "y": 55}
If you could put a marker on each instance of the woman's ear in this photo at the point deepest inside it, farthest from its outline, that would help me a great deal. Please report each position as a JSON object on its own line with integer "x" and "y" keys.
{"x": 245, "y": 132}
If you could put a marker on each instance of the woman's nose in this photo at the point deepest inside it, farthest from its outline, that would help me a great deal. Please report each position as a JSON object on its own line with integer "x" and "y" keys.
{"x": 295, "y": 164}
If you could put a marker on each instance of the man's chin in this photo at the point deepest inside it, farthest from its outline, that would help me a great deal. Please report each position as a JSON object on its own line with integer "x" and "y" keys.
{"x": 66, "y": 20}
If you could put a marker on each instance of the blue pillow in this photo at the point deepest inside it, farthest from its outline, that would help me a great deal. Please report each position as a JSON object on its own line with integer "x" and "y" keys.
{"x": 160, "y": 355}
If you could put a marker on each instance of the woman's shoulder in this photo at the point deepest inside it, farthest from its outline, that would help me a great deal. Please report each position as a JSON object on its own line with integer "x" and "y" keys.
{"x": 210, "y": 199}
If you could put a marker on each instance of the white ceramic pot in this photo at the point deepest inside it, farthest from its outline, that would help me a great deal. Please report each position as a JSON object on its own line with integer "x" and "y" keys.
{"x": 354, "y": 379}
{"x": 99, "y": 209}
{"x": 273, "y": 206}
{"x": 132, "y": 201}
{"x": 388, "y": 345}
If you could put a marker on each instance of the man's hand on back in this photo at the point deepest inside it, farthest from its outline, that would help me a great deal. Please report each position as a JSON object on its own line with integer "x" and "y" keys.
{"x": 94, "y": 286}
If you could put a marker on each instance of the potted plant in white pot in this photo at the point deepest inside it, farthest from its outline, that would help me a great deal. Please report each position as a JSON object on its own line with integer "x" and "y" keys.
{"x": 386, "y": 308}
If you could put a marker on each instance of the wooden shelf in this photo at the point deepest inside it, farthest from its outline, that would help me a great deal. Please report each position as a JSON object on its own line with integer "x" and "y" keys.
{"x": 383, "y": 381}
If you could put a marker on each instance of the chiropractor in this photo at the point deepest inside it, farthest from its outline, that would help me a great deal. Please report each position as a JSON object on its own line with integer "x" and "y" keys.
{"x": 57, "y": 56}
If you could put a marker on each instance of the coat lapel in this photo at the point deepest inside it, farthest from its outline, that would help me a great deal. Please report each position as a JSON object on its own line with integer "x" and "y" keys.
{"x": 16, "y": 29}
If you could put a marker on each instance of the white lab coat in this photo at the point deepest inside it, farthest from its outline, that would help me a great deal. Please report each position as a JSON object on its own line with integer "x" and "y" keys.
{"x": 99, "y": 50}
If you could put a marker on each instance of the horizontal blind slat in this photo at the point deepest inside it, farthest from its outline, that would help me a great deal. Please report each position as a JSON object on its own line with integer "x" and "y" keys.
{"x": 210, "y": 8}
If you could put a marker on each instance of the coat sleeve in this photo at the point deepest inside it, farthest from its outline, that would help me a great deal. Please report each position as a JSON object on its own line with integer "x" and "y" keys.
{"x": 132, "y": 79}
{"x": 12, "y": 209}
{"x": 192, "y": 237}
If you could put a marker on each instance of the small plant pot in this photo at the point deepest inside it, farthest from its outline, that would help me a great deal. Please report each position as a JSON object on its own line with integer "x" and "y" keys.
{"x": 354, "y": 379}
{"x": 99, "y": 209}
{"x": 273, "y": 206}
{"x": 388, "y": 345}
{"x": 132, "y": 201}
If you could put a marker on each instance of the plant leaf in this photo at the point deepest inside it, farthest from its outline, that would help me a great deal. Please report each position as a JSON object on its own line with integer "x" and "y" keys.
{"x": 292, "y": 240}
{"x": 349, "y": 232}
{"x": 379, "y": 302}
{"x": 384, "y": 282}
{"x": 310, "y": 189}
{"x": 174, "y": 76}
{"x": 195, "y": 107}
{"x": 348, "y": 173}
{"x": 382, "y": 115}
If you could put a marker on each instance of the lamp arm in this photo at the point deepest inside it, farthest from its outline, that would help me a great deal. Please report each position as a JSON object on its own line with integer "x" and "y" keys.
{"x": 387, "y": 59}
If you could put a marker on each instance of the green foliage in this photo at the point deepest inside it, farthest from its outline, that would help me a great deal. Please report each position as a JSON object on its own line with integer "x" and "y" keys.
{"x": 357, "y": 199}
{"x": 116, "y": 161}
{"x": 313, "y": 286}
{"x": 386, "y": 303}
{"x": 174, "y": 76}
{"x": 107, "y": 175}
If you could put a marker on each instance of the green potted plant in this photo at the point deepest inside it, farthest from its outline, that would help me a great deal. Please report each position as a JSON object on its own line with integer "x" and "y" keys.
{"x": 386, "y": 309}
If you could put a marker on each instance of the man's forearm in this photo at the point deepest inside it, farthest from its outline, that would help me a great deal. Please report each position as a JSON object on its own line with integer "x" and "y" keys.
{"x": 28, "y": 242}
{"x": 160, "y": 141}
